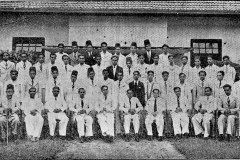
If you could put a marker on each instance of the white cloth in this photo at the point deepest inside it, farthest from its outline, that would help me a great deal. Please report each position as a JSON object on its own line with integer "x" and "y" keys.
{"x": 180, "y": 122}
{"x": 135, "y": 121}
{"x": 84, "y": 120}
{"x": 159, "y": 122}
{"x": 201, "y": 123}
{"x": 106, "y": 122}
{"x": 52, "y": 117}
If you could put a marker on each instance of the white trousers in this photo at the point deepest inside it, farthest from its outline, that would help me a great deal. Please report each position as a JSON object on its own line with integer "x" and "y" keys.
{"x": 159, "y": 122}
{"x": 180, "y": 122}
{"x": 106, "y": 122}
{"x": 229, "y": 120}
{"x": 135, "y": 120}
{"x": 201, "y": 123}
{"x": 52, "y": 117}
{"x": 82, "y": 121}
{"x": 34, "y": 125}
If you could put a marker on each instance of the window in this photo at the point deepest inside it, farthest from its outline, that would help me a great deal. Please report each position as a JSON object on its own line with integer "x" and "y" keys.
{"x": 204, "y": 47}
{"x": 28, "y": 44}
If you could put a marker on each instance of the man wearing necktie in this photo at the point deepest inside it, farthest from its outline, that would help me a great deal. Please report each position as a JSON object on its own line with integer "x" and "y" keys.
{"x": 128, "y": 69}
{"x": 155, "y": 106}
{"x": 74, "y": 55}
{"x": 130, "y": 107}
{"x": 71, "y": 87}
{"x": 230, "y": 72}
{"x": 149, "y": 84}
{"x": 178, "y": 107}
{"x": 228, "y": 106}
{"x": 5, "y": 67}
{"x": 23, "y": 66}
{"x": 81, "y": 107}
{"x": 90, "y": 55}
{"x": 218, "y": 85}
{"x": 114, "y": 69}
{"x": 148, "y": 55}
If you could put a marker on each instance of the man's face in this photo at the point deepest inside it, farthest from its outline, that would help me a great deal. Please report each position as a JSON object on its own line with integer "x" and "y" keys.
{"x": 197, "y": 62}
{"x": 74, "y": 49}
{"x": 91, "y": 75}
{"x": 210, "y": 60}
{"x": 141, "y": 59}
{"x": 226, "y": 61}
{"x": 135, "y": 76}
{"x": 202, "y": 76}
{"x": 148, "y": 47}
{"x": 208, "y": 92}
{"x": 104, "y": 47}
{"x": 130, "y": 94}
{"x": 184, "y": 60}
{"x": 120, "y": 76}
{"x": 105, "y": 90}
{"x": 105, "y": 74}
{"x": 41, "y": 59}
{"x": 98, "y": 60}
{"x": 165, "y": 49}
{"x": 53, "y": 58}
{"x": 81, "y": 92}
{"x": 81, "y": 59}
{"x": 182, "y": 78}
{"x": 5, "y": 56}
{"x": 89, "y": 48}
{"x": 177, "y": 92}
{"x": 156, "y": 59}
{"x": 55, "y": 74}
{"x": 32, "y": 92}
{"x": 32, "y": 74}
{"x": 227, "y": 90}
{"x": 219, "y": 76}
{"x": 65, "y": 60}
{"x": 73, "y": 78}
{"x": 133, "y": 49}
{"x": 9, "y": 92}
{"x": 24, "y": 57}
{"x": 55, "y": 92}
{"x": 117, "y": 50}
{"x": 60, "y": 49}
{"x": 129, "y": 64}
{"x": 170, "y": 59}
{"x": 165, "y": 76}
{"x": 150, "y": 76}
{"x": 156, "y": 93}
{"x": 114, "y": 61}
{"x": 14, "y": 75}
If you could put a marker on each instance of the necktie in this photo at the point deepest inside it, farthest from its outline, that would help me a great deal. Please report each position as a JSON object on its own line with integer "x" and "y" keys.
{"x": 202, "y": 83}
{"x": 73, "y": 86}
{"x": 129, "y": 71}
{"x": 165, "y": 83}
{"x": 6, "y": 65}
{"x": 178, "y": 102}
{"x": 105, "y": 98}
{"x": 119, "y": 84}
{"x": 147, "y": 91}
{"x": 82, "y": 104}
{"x": 155, "y": 105}
{"x": 130, "y": 103}
{"x": 32, "y": 82}
{"x": 182, "y": 68}
{"x": 228, "y": 101}
{"x": 75, "y": 55}
{"x": 55, "y": 82}
{"x": 41, "y": 67}
{"x": 24, "y": 65}
{"x": 66, "y": 68}
{"x": 55, "y": 98}
{"x": 220, "y": 84}
{"x": 92, "y": 82}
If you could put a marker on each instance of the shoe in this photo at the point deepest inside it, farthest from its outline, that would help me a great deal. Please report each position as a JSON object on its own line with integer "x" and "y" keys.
{"x": 229, "y": 137}
{"x": 178, "y": 136}
{"x": 186, "y": 135}
{"x": 51, "y": 137}
{"x": 136, "y": 137}
{"x": 127, "y": 138}
{"x": 160, "y": 138}
{"x": 199, "y": 135}
{"x": 110, "y": 139}
{"x": 221, "y": 137}
{"x": 62, "y": 138}
{"x": 150, "y": 138}
{"x": 80, "y": 139}
{"x": 205, "y": 138}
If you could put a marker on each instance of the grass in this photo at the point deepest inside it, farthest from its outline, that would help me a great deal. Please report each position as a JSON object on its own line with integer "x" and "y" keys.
{"x": 44, "y": 149}
{"x": 195, "y": 148}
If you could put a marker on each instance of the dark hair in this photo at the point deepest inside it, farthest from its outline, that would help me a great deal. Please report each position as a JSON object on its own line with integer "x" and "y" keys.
{"x": 32, "y": 88}
{"x": 53, "y": 54}
{"x": 13, "y": 70}
{"x": 32, "y": 69}
{"x": 227, "y": 85}
{"x": 64, "y": 56}
{"x": 103, "y": 43}
{"x": 150, "y": 71}
{"x": 10, "y": 86}
{"x": 165, "y": 72}
{"x": 54, "y": 68}
{"x": 56, "y": 87}
{"x": 185, "y": 57}
{"x": 208, "y": 88}
{"x": 202, "y": 71}
{"x": 170, "y": 55}
{"x": 222, "y": 72}
{"x": 61, "y": 44}
{"x": 129, "y": 59}
{"x": 175, "y": 88}
{"x": 182, "y": 74}
{"x": 226, "y": 57}
{"x": 137, "y": 72}
{"x": 103, "y": 87}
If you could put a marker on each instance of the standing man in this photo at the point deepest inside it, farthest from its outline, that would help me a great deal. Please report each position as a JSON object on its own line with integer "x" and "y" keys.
{"x": 60, "y": 53}
{"x": 65, "y": 69}
{"x": 52, "y": 63}
{"x": 196, "y": 69}
{"x": 121, "y": 58}
{"x": 155, "y": 107}
{"x": 217, "y": 85}
{"x": 90, "y": 55}
{"x": 133, "y": 53}
{"x": 5, "y": 67}
{"x": 228, "y": 106}
{"x": 148, "y": 55}
{"x": 230, "y": 72}
{"x": 156, "y": 67}
{"x": 105, "y": 55}
{"x": 74, "y": 55}
{"x": 114, "y": 69}
{"x": 81, "y": 68}
{"x": 186, "y": 68}
{"x": 106, "y": 81}
{"x": 32, "y": 108}
{"x": 130, "y": 107}
{"x": 142, "y": 67}
{"x": 128, "y": 70}
{"x": 149, "y": 84}
{"x": 71, "y": 87}
{"x": 23, "y": 66}
{"x": 172, "y": 69}
{"x": 211, "y": 70}
{"x": 163, "y": 58}
{"x": 165, "y": 86}
{"x": 98, "y": 69}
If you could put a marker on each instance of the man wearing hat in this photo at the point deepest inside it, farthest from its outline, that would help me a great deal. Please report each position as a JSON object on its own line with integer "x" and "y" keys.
{"x": 89, "y": 54}
{"x": 74, "y": 55}
{"x": 71, "y": 86}
{"x": 133, "y": 53}
{"x": 5, "y": 67}
{"x": 163, "y": 58}
{"x": 114, "y": 69}
{"x": 60, "y": 53}
{"x": 121, "y": 58}
{"x": 148, "y": 55}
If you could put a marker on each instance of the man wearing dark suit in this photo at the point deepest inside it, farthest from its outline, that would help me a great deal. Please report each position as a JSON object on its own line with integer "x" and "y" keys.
{"x": 90, "y": 54}
{"x": 149, "y": 54}
{"x": 138, "y": 88}
{"x": 114, "y": 69}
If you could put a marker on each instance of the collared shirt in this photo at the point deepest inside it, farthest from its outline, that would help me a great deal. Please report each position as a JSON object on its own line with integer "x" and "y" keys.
{"x": 109, "y": 82}
{"x": 31, "y": 83}
{"x": 30, "y": 104}
{"x": 98, "y": 72}
{"x": 55, "y": 103}
{"x": 230, "y": 73}
{"x": 76, "y": 104}
{"x": 211, "y": 72}
{"x": 51, "y": 84}
{"x": 106, "y": 59}
{"x": 59, "y": 57}
{"x": 12, "y": 103}
{"x": 42, "y": 72}
{"x": 5, "y": 68}
{"x": 228, "y": 102}
{"x": 120, "y": 89}
{"x": 107, "y": 103}
{"x": 173, "y": 103}
{"x": 18, "y": 87}
{"x": 163, "y": 59}
{"x": 23, "y": 69}
{"x": 208, "y": 103}
{"x": 160, "y": 102}
{"x": 134, "y": 58}
{"x": 142, "y": 68}
{"x": 121, "y": 60}
{"x": 125, "y": 104}
{"x": 82, "y": 71}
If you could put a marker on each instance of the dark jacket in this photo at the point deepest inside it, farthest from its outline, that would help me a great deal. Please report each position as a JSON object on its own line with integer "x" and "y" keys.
{"x": 138, "y": 91}
{"x": 110, "y": 70}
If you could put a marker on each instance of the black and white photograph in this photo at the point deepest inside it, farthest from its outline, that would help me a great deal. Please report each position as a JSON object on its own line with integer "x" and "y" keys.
{"x": 141, "y": 79}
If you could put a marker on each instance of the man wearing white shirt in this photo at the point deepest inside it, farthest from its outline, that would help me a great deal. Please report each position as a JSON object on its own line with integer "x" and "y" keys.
{"x": 106, "y": 81}
{"x": 142, "y": 67}
{"x": 186, "y": 68}
{"x": 163, "y": 58}
{"x": 105, "y": 107}
{"x": 133, "y": 53}
{"x": 65, "y": 69}
{"x": 55, "y": 107}
{"x": 81, "y": 68}
{"x": 98, "y": 69}
{"x": 121, "y": 58}
{"x": 52, "y": 63}
{"x": 71, "y": 87}
{"x": 206, "y": 105}
{"x": 23, "y": 66}
{"x": 230, "y": 72}
{"x": 155, "y": 107}
{"x": 105, "y": 55}
{"x": 74, "y": 55}
{"x": 60, "y": 53}
{"x": 149, "y": 85}
{"x": 128, "y": 70}
{"x": 130, "y": 106}
{"x": 211, "y": 70}
{"x": 81, "y": 107}
{"x": 196, "y": 69}
{"x": 5, "y": 67}
{"x": 32, "y": 107}
{"x": 178, "y": 107}
{"x": 165, "y": 86}
{"x": 172, "y": 69}
{"x": 157, "y": 68}
{"x": 217, "y": 85}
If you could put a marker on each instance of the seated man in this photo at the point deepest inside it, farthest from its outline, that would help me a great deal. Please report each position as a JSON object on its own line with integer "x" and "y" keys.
{"x": 55, "y": 107}
{"x": 105, "y": 107}
{"x": 32, "y": 107}
{"x": 81, "y": 107}
{"x": 131, "y": 106}
{"x": 8, "y": 113}
{"x": 178, "y": 107}
{"x": 155, "y": 106}
{"x": 228, "y": 106}
{"x": 205, "y": 107}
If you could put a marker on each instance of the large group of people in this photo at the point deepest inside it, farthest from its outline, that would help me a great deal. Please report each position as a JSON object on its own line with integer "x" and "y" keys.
{"x": 114, "y": 90}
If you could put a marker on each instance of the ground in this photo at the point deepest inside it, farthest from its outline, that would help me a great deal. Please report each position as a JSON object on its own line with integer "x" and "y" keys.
{"x": 191, "y": 148}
